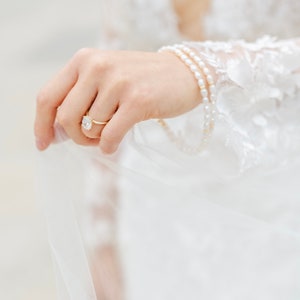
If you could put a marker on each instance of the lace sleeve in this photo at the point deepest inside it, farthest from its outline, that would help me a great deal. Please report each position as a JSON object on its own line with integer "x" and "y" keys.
{"x": 258, "y": 97}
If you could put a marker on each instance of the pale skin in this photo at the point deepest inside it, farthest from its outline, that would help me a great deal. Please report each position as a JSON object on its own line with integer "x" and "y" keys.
{"x": 120, "y": 87}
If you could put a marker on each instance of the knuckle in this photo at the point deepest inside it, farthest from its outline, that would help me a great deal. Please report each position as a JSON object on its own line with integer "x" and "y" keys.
{"x": 94, "y": 67}
{"x": 124, "y": 81}
{"x": 83, "y": 54}
{"x": 64, "y": 119}
{"x": 99, "y": 66}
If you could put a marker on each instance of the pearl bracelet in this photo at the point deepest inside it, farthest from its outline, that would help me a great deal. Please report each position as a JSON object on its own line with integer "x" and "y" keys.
{"x": 203, "y": 76}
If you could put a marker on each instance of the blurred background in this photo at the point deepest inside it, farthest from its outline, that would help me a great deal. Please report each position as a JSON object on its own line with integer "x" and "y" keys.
{"x": 36, "y": 39}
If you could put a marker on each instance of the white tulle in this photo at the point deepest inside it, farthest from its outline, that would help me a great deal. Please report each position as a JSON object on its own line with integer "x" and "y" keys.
{"x": 224, "y": 224}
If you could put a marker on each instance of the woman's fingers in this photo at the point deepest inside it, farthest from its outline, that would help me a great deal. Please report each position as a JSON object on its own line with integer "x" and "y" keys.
{"x": 122, "y": 88}
{"x": 101, "y": 111}
{"x": 74, "y": 107}
{"x": 48, "y": 100}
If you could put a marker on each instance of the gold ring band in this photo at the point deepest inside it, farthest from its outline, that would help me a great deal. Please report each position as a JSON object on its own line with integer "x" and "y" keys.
{"x": 99, "y": 122}
{"x": 87, "y": 122}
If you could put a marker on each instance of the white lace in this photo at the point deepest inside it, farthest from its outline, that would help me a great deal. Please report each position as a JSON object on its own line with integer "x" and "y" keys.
{"x": 246, "y": 80}
{"x": 244, "y": 19}
{"x": 140, "y": 24}
{"x": 258, "y": 98}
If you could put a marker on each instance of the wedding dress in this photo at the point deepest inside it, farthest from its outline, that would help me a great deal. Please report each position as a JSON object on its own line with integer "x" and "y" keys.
{"x": 153, "y": 222}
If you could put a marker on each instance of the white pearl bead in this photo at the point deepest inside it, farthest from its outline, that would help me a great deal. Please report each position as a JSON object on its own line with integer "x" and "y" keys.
{"x": 198, "y": 75}
{"x": 201, "y": 83}
{"x": 208, "y": 97}
{"x": 204, "y": 93}
{"x": 194, "y": 68}
{"x": 206, "y": 71}
{"x": 189, "y": 62}
{"x": 201, "y": 64}
{"x": 210, "y": 79}
{"x": 183, "y": 56}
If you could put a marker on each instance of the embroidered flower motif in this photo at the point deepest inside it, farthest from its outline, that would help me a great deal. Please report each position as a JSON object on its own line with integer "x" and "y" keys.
{"x": 258, "y": 98}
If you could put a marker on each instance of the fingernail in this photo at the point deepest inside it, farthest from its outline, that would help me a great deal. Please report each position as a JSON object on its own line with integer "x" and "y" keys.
{"x": 41, "y": 145}
{"x": 108, "y": 150}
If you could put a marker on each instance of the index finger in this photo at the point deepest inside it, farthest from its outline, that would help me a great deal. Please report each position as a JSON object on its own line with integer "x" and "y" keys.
{"x": 48, "y": 100}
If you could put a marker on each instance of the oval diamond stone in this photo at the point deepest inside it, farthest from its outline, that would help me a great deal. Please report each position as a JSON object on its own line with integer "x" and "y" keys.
{"x": 86, "y": 123}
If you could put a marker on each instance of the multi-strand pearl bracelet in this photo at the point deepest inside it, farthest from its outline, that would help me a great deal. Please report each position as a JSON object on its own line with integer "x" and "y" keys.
{"x": 208, "y": 94}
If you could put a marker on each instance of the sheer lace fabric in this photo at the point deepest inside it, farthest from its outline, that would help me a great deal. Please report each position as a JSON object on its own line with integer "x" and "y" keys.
{"x": 138, "y": 24}
{"x": 220, "y": 225}
{"x": 250, "y": 20}
{"x": 258, "y": 91}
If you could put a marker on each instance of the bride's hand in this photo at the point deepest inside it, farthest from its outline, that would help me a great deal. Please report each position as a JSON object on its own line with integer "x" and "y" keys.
{"x": 120, "y": 87}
